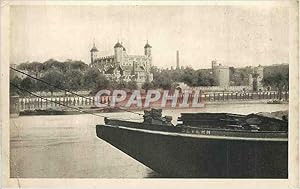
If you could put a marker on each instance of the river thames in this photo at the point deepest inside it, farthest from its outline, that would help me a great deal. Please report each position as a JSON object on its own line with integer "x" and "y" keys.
{"x": 66, "y": 146}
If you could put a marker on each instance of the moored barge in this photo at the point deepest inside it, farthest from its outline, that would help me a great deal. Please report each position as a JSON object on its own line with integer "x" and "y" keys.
{"x": 204, "y": 145}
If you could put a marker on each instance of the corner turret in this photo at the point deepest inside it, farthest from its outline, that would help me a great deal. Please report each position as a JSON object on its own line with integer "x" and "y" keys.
{"x": 118, "y": 52}
{"x": 147, "y": 49}
{"x": 94, "y": 53}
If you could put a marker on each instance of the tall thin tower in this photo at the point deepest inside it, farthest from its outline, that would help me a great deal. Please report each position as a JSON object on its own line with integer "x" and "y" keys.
{"x": 177, "y": 60}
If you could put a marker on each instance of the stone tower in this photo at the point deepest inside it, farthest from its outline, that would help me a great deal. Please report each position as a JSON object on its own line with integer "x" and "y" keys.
{"x": 147, "y": 49}
{"x": 221, "y": 74}
{"x": 118, "y": 52}
{"x": 94, "y": 53}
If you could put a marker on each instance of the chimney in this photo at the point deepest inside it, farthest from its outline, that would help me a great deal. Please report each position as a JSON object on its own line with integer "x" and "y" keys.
{"x": 177, "y": 60}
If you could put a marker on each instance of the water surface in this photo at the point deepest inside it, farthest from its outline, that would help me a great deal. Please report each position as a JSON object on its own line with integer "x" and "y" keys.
{"x": 66, "y": 146}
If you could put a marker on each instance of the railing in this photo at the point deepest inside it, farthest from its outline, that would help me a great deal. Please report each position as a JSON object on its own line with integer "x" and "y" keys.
{"x": 30, "y": 103}
{"x": 270, "y": 95}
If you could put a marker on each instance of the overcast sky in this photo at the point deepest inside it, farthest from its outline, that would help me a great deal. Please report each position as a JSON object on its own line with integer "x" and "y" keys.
{"x": 233, "y": 35}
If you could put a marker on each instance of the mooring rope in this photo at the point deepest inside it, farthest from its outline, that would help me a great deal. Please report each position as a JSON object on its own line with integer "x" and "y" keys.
{"x": 61, "y": 104}
{"x": 57, "y": 87}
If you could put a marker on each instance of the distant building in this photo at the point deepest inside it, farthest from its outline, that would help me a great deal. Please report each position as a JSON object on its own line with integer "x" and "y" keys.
{"x": 221, "y": 73}
{"x": 124, "y": 66}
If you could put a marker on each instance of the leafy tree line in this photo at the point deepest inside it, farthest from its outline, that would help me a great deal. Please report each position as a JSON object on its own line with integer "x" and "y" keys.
{"x": 166, "y": 79}
{"x": 276, "y": 77}
{"x": 78, "y": 76}
{"x": 70, "y": 75}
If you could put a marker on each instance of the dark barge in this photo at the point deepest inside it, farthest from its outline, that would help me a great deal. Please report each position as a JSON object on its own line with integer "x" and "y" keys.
{"x": 204, "y": 145}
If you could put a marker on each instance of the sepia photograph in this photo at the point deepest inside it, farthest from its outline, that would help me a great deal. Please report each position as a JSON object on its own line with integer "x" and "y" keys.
{"x": 149, "y": 91}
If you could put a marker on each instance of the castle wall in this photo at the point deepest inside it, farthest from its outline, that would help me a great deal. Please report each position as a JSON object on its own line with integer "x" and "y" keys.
{"x": 217, "y": 88}
{"x": 228, "y": 88}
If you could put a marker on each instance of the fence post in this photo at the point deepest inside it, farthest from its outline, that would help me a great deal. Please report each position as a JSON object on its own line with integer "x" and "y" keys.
{"x": 14, "y": 106}
{"x": 54, "y": 100}
{"x": 36, "y": 103}
{"x": 21, "y": 103}
{"x": 29, "y": 103}
{"x": 93, "y": 101}
{"x": 40, "y": 103}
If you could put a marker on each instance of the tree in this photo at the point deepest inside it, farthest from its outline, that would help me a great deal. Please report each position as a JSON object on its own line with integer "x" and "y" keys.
{"x": 279, "y": 81}
{"x": 203, "y": 78}
{"x": 55, "y": 78}
{"x": 29, "y": 84}
{"x": 13, "y": 90}
{"x": 147, "y": 86}
{"x": 32, "y": 67}
{"x": 132, "y": 85}
{"x": 76, "y": 65}
{"x": 163, "y": 81}
{"x": 102, "y": 82}
{"x": 94, "y": 80}
{"x": 74, "y": 79}
{"x": 54, "y": 64}
{"x": 121, "y": 84}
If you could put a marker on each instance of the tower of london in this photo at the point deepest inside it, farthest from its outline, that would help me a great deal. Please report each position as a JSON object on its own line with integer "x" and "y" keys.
{"x": 121, "y": 66}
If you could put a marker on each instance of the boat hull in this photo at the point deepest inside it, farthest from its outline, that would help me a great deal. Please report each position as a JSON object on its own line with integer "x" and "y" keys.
{"x": 189, "y": 156}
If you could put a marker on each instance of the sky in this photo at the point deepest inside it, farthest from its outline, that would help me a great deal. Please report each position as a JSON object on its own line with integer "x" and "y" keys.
{"x": 233, "y": 35}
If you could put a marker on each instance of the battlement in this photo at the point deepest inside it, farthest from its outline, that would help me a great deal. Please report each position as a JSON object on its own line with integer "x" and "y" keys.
{"x": 105, "y": 57}
{"x": 138, "y": 56}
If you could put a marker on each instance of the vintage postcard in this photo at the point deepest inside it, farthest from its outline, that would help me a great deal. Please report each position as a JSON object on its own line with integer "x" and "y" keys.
{"x": 142, "y": 94}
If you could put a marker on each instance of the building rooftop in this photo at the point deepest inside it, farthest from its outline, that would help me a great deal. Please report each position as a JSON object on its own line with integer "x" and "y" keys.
{"x": 147, "y": 45}
{"x": 118, "y": 44}
{"x": 94, "y": 49}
